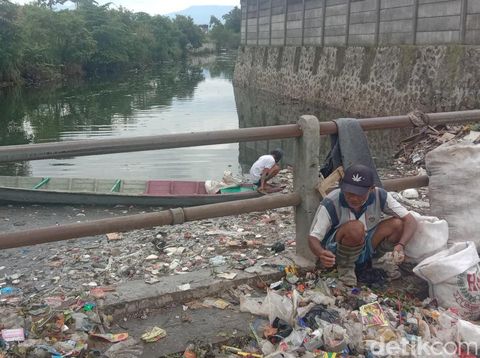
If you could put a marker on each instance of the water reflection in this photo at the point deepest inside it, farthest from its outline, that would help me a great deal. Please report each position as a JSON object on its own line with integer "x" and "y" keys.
{"x": 258, "y": 108}
{"x": 174, "y": 98}
{"x": 170, "y": 99}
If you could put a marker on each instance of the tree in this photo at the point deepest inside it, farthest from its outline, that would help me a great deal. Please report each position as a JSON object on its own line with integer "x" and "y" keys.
{"x": 191, "y": 33}
{"x": 50, "y": 3}
{"x": 233, "y": 20}
{"x": 215, "y": 22}
{"x": 74, "y": 43}
{"x": 228, "y": 35}
{"x": 11, "y": 42}
{"x": 37, "y": 43}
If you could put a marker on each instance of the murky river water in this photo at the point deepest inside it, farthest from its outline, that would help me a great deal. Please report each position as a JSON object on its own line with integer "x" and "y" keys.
{"x": 175, "y": 98}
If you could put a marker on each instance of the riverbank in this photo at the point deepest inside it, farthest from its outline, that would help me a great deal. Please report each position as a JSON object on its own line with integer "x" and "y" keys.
{"x": 46, "y": 277}
{"x": 179, "y": 278}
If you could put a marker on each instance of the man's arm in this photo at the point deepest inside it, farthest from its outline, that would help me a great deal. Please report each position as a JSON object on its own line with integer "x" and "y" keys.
{"x": 409, "y": 227}
{"x": 327, "y": 258}
{"x": 394, "y": 208}
{"x": 263, "y": 178}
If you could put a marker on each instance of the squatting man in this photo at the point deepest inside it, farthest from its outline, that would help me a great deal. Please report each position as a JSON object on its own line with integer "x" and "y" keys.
{"x": 359, "y": 222}
{"x": 265, "y": 168}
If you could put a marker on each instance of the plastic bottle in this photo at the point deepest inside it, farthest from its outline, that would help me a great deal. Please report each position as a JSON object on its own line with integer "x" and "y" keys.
{"x": 7, "y": 291}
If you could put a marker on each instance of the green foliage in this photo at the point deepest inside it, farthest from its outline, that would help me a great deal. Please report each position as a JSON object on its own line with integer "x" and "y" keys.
{"x": 40, "y": 43}
{"x": 10, "y": 39}
{"x": 191, "y": 33}
{"x": 226, "y": 35}
{"x": 233, "y": 20}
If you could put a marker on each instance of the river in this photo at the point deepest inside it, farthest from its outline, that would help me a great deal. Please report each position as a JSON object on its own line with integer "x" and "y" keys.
{"x": 174, "y": 98}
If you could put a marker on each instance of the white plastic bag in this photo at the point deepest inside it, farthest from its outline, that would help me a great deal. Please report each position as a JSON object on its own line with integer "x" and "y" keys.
{"x": 453, "y": 277}
{"x": 254, "y": 305}
{"x": 454, "y": 188}
{"x": 281, "y": 307}
{"x": 430, "y": 237}
{"x": 469, "y": 334}
{"x": 229, "y": 180}
{"x": 212, "y": 186}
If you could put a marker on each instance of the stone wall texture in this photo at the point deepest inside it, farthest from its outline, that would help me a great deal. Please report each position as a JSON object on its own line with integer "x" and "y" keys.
{"x": 367, "y": 80}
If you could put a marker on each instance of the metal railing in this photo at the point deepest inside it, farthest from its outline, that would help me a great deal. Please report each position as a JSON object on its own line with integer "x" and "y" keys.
{"x": 14, "y": 153}
{"x": 304, "y": 198}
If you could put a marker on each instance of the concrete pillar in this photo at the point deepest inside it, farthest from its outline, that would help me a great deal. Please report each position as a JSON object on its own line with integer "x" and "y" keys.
{"x": 246, "y": 22}
{"x": 377, "y": 22}
{"x": 415, "y": 21}
{"x": 463, "y": 21}
{"x": 305, "y": 180}
{"x": 270, "y": 26}
{"x": 303, "y": 22}
{"x": 347, "y": 30}
{"x": 258, "y": 20}
{"x": 324, "y": 4}
{"x": 285, "y": 24}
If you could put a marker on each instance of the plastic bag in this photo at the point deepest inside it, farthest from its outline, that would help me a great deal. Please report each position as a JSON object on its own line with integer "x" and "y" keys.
{"x": 229, "y": 179}
{"x": 454, "y": 188}
{"x": 453, "y": 277}
{"x": 469, "y": 333}
{"x": 212, "y": 186}
{"x": 279, "y": 306}
{"x": 293, "y": 341}
{"x": 254, "y": 305}
{"x": 430, "y": 237}
{"x": 126, "y": 349}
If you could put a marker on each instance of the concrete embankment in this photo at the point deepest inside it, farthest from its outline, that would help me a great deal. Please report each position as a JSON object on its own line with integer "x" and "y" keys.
{"x": 367, "y": 80}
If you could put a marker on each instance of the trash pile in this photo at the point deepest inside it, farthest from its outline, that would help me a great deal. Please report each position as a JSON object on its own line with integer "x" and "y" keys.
{"x": 319, "y": 317}
{"x": 49, "y": 293}
{"x": 414, "y": 148}
{"x": 68, "y": 267}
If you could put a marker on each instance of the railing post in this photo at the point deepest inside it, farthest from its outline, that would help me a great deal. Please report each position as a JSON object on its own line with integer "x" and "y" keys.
{"x": 347, "y": 26}
{"x": 305, "y": 179}
{"x": 258, "y": 20}
{"x": 285, "y": 24}
{"x": 415, "y": 21}
{"x": 303, "y": 22}
{"x": 463, "y": 21}
{"x": 377, "y": 22}
{"x": 324, "y": 16}
{"x": 270, "y": 26}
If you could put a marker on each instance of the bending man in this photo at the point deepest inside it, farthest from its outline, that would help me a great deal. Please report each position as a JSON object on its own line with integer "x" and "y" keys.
{"x": 265, "y": 168}
{"x": 357, "y": 222}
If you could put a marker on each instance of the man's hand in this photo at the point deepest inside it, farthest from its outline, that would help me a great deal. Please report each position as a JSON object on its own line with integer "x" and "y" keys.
{"x": 327, "y": 258}
{"x": 398, "y": 254}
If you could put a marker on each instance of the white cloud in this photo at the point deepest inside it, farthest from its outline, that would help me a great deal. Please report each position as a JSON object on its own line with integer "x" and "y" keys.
{"x": 155, "y": 7}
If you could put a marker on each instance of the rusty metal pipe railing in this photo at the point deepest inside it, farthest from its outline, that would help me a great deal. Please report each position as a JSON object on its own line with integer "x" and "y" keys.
{"x": 133, "y": 222}
{"x": 405, "y": 183}
{"x": 169, "y": 217}
{"x": 167, "y": 141}
{"x": 404, "y": 121}
{"x": 122, "y": 145}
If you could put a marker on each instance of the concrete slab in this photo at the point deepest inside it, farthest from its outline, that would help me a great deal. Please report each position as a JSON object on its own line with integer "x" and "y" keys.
{"x": 203, "y": 326}
{"x": 135, "y": 296}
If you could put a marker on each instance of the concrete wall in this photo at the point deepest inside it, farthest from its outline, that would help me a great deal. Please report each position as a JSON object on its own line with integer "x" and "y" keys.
{"x": 366, "y": 80}
{"x": 360, "y": 22}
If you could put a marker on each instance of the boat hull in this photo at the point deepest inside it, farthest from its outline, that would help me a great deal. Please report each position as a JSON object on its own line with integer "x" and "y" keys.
{"x": 109, "y": 199}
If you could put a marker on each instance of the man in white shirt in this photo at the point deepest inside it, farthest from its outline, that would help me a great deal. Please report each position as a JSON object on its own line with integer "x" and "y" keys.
{"x": 357, "y": 222}
{"x": 265, "y": 168}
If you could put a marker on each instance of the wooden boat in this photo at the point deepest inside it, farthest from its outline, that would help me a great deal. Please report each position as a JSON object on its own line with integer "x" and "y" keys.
{"x": 83, "y": 191}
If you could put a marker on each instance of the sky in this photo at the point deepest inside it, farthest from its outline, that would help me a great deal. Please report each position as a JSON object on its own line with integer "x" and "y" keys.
{"x": 156, "y": 7}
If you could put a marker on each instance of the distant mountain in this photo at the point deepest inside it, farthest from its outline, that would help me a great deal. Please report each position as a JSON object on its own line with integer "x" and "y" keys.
{"x": 201, "y": 14}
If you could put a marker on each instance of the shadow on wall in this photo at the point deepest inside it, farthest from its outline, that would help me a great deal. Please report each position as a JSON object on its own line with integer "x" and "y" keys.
{"x": 257, "y": 108}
